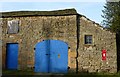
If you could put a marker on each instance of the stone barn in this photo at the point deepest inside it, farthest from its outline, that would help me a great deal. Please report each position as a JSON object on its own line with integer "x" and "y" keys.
{"x": 57, "y": 41}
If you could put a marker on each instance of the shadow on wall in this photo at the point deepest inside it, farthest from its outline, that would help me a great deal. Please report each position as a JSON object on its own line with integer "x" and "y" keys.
{"x": 78, "y": 41}
{"x": 118, "y": 50}
{"x": 47, "y": 29}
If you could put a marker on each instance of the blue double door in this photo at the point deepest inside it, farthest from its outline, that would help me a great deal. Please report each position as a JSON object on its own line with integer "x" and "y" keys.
{"x": 51, "y": 56}
{"x": 12, "y": 56}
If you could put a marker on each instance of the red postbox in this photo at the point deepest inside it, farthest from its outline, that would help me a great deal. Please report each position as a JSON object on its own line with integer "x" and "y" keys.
{"x": 103, "y": 54}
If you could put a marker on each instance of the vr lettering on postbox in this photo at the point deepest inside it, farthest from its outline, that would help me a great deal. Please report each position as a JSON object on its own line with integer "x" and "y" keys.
{"x": 103, "y": 54}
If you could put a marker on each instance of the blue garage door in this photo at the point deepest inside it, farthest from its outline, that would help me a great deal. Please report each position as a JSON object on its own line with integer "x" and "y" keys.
{"x": 51, "y": 56}
{"x": 12, "y": 56}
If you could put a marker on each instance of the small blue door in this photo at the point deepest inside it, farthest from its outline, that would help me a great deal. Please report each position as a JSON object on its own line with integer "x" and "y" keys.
{"x": 51, "y": 56}
{"x": 12, "y": 56}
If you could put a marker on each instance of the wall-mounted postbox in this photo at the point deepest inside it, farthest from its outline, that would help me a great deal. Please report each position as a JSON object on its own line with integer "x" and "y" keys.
{"x": 103, "y": 54}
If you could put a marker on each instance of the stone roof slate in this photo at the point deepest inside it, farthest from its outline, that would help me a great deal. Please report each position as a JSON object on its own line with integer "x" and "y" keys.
{"x": 39, "y": 13}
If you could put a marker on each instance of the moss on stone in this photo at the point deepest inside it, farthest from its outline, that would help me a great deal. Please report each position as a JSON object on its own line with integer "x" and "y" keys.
{"x": 38, "y": 13}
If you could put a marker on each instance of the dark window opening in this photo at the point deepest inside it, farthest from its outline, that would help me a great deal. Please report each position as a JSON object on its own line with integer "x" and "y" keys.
{"x": 88, "y": 39}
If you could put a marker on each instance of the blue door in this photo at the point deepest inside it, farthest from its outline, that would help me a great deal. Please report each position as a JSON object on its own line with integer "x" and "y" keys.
{"x": 58, "y": 56}
{"x": 12, "y": 56}
{"x": 41, "y": 56}
{"x": 51, "y": 56}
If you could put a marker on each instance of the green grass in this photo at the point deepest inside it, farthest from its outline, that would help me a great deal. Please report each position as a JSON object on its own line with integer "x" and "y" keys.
{"x": 93, "y": 75}
{"x": 30, "y": 72}
{"x": 17, "y": 72}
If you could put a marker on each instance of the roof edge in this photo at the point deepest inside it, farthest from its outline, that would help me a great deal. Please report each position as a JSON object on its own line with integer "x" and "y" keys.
{"x": 71, "y": 11}
{"x": 100, "y": 26}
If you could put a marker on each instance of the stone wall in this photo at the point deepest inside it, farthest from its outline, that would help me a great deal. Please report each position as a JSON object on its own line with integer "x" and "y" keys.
{"x": 0, "y": 48}
{"x": 34, "y": 29}
{"x": 71, "y": 60}
{"x": 90, "y": 56}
